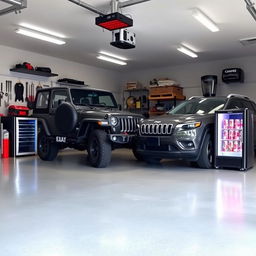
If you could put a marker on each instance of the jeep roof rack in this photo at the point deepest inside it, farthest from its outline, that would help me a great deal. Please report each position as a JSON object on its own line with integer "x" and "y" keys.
{"x": 238, "y": 95}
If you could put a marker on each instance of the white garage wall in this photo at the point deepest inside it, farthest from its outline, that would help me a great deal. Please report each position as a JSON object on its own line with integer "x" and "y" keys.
{"x": 189, "y": 76}
{"x": 95, "y": 77}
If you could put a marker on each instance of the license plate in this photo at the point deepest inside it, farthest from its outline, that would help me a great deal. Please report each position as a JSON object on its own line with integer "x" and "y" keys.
{"x": 61, "y": 139}
{"x": 152, "y": 141}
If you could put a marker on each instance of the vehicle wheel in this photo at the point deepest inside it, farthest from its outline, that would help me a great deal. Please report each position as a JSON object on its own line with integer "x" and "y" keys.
{"x": 137, "y": 155}
{"x": 47, "y": 151}
{"x": 99, "y": 149}
{"x": 206, "y": 157}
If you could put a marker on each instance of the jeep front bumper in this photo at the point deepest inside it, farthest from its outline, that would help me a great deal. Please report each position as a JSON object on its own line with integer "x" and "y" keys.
{"x": 166, "y": 148}
{"x": 121, "y": 138}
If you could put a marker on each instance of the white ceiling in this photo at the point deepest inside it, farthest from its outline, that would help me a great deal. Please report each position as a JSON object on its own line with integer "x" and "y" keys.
{"x": 160, "y": 25}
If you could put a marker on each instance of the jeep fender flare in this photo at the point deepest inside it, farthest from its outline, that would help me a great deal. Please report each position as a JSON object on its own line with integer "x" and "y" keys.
{"x": 88, "y": 123}
{"x": 41, "y": 122}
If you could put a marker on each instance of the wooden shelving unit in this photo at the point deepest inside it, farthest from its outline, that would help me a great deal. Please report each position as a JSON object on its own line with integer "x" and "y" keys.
{"x": 165, "y": 97}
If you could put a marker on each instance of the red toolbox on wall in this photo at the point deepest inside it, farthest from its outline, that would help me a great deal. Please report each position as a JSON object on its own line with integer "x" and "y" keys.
{"x": 14, "y": 110}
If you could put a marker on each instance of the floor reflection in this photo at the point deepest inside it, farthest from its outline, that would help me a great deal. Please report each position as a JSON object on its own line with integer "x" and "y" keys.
{"x": 26, "y": 176}
{"x": 230, "y": 198}
{"x": 5, "y": 167}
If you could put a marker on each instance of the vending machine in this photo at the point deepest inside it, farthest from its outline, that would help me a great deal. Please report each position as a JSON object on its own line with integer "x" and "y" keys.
{"x": 234, "y": 139}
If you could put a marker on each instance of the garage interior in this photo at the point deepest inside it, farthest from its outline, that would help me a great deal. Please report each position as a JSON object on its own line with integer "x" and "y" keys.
{"x": 68, "y": 207}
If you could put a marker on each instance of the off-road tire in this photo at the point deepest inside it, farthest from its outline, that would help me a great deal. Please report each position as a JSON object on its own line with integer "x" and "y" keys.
{"x": 99, "y": 149}
{"x": 205, "y": 160}
{"x": 66, "y": 118}
{"x": 46, "y": 150}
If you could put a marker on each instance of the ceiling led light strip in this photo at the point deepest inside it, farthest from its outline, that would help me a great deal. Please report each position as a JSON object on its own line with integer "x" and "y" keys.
{"x": 205, "y": 20}
{"x": 187, "y": 51}
{"x": 105, "y": 58}
{"x": 40, "y": 36}
{"x": 42, "y": 30}
{"x": 112, "y": 55}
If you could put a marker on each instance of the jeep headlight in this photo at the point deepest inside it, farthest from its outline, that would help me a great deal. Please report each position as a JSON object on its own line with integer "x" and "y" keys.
{"x": 187, "y": 131}
{"x": 113, "y": 121}
{"x": 188, "y": 126}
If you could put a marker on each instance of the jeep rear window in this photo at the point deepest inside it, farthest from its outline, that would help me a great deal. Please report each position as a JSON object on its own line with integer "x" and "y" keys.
{"x": 199, "y": 106}
{"x": 82, "y": 97}
{"x": 42, "y": 100}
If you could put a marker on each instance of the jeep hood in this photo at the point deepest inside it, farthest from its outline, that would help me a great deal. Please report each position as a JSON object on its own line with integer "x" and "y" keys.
{"x": 180, "y": 119}
{"x": 101, "y": 112}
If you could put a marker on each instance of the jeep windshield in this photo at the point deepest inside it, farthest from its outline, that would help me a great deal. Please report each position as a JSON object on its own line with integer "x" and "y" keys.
{"x": 199, "y": 106}
{"x": 93, "y": 98}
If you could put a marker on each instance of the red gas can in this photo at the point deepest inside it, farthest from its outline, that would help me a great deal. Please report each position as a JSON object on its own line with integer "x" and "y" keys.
{"x": 6, "y": 144}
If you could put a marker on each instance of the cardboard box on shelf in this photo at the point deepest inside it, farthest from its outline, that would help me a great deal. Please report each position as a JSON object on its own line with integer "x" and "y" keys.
{"x": 166, "y": 92}
{"x": 133, "y": 85}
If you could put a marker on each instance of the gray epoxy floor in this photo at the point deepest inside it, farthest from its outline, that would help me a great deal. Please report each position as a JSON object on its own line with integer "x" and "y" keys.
{"x": 67, "y": 208}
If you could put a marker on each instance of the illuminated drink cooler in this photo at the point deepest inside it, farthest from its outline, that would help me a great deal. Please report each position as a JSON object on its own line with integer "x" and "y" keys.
{"x": 23, "y": 135}
{"x": 234, "y": 139}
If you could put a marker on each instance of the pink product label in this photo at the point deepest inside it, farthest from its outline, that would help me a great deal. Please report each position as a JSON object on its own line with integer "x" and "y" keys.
{"x": 231, "y": 123}
{"x": 231, "y": 146}
{"x": 237, "y": 124}
{"x": 225, "y": 124}
{"x": 225, "y": 135}
{"x": 236, "y": 146}
{"x": 237, "y": 135}
{"x": 225, "y": 146}
{"x": 231, "y": 134}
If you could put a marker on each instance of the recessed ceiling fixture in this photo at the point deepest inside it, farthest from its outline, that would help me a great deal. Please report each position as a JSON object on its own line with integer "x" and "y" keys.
{"x": 112, "y": 55}
{"x": 42, "y": 30}
{"x": 119, "y": 62}
{"x": 205, "y": 20}
{"x": 187, "y": 51}
{"x": 37, "y": 35}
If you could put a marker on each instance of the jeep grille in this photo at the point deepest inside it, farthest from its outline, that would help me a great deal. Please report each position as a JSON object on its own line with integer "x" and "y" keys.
{"x": 156, "y": 129}
{"x": 128, "y": 125}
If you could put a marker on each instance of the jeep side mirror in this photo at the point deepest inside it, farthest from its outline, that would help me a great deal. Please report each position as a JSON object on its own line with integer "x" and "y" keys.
{"x": 119, "y": 107}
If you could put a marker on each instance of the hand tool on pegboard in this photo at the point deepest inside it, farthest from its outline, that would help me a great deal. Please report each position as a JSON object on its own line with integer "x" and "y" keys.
{"x": 33, "y": 92}
{"x": 19, "y": 91}
{"x": 27, "y": 91}
{"x": 10, "y": 82}
{"x": 1, "y": 94}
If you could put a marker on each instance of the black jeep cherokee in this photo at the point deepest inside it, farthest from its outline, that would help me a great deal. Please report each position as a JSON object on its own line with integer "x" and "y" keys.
{"x": 187, "y": 131}
{"x": 82, "y": 118}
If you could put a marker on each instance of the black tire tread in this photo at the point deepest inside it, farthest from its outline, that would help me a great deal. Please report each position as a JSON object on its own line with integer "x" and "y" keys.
{"x": 52, "y": 152}
{"x": 105, "y": 149}
{"x": 203, "y": 161}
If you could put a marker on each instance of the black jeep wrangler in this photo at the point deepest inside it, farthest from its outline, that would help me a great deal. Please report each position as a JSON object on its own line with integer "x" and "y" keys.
{"x": 82, "y": 118}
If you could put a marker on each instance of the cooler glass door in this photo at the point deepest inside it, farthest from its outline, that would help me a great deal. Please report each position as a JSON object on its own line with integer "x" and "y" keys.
{"x": 230, "y": 134}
